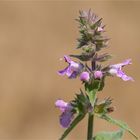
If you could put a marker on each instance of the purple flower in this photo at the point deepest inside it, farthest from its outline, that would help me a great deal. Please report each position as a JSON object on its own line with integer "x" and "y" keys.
{"x": 66, "y": 118}
{"x": 61, "y": 105}
{"x": 98, "y": 74}
{"x": 73, "y": 68}
{"x": 117, "y": 70}
{"x": 84, "y": 76}
{"x": 67, "y": 114}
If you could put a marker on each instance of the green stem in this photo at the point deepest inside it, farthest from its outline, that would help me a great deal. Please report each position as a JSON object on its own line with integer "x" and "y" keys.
{"x": 90, "y": 126}
{"x": 73, "y": 124}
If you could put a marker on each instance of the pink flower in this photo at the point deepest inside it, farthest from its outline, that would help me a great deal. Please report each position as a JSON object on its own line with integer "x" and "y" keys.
{"x": 73, "y": 68}
{"x": 98, "y": 74}
{"x": 117, "y": 70}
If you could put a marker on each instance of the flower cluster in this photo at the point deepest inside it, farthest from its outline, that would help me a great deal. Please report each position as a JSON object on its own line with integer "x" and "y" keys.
{"x": 89, "y": 69}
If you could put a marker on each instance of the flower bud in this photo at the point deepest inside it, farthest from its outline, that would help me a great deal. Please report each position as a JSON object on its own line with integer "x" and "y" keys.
{"x": 98, "y": 74}
{"x": 84, "y": 76}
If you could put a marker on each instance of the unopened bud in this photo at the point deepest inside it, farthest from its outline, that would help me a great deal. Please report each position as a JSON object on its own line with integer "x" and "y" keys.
{"x": 98, "y": 74}
{"x": 84, "y": 76}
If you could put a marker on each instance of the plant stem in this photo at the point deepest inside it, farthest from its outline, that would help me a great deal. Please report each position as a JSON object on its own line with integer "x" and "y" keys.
{"x": 90, "y": 126}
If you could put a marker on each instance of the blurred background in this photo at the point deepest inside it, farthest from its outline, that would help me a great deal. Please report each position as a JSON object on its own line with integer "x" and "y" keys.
{"x": 34, "y": 35}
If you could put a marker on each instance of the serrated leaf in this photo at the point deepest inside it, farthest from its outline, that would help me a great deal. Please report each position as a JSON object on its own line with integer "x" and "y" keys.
{"x": 72, "y": 125}
{"x": 114, "y": 135}
{"x": 119, "y": 123}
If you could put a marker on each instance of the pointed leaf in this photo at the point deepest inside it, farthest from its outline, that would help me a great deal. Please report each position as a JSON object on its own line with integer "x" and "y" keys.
{"x": 115, "y": 135}
{"x": 119, "y": 123}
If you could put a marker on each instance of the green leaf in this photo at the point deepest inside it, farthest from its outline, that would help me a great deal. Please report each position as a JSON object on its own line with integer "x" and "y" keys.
{"x": 91, "y": 90}
{"x": 119, "y": 123}
{"x": 115, "y": 135}
{"x": 72, "y": 125}
{"x": 80, "y": 102}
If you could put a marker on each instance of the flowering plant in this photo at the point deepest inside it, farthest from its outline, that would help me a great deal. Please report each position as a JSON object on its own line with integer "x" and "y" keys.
{"x": 90, "y": 70}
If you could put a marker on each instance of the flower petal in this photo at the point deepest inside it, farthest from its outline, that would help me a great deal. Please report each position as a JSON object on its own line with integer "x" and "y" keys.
{"x": 63, "y": 72}
{"x": 117, "y": 70}
{"x": 123, "y": 76}
{"x": 73, "y": 75}
{"x": 69, "y": 71}
{"x": 124, "y": 63}
{"x": 67, "y": 59}
{"x": 66, "y": 118}
{"x": 62, "y": 105}
{"x": 127, "y": 78}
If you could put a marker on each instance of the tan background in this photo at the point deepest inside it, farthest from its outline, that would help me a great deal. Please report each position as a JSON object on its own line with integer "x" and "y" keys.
{"x": 33, "y": 36}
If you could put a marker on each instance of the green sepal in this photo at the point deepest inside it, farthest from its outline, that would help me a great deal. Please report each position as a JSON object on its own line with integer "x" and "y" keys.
{"x": 81, "y": 102}
{"x": 119, "y": 123}
{"x": 72, "y": 125}
{"x": 84, "y": 56}
{"x": 82, "y": 41}
{"x": 103, "y": 57}
{"x": 114, "y": 135}
{"x": 103, "y": 106}
{"x": 102, "y": 84}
